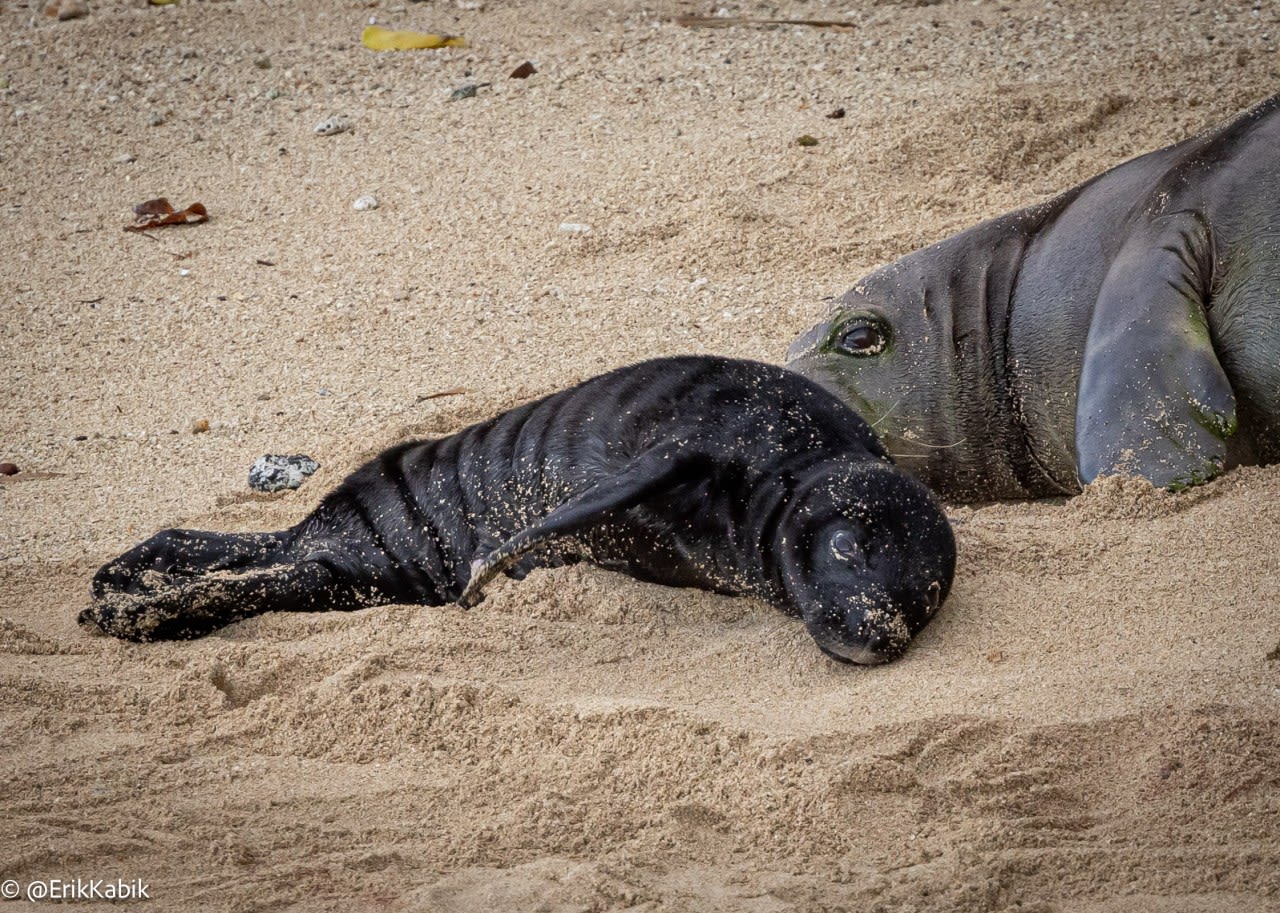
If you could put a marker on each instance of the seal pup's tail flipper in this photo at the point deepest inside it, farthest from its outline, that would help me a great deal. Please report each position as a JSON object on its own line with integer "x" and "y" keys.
{"x": 655, "y": 470}
{"x": 174, "y": 554}
{"x": 184, "y": 583}
{"x": 199, "y": 605}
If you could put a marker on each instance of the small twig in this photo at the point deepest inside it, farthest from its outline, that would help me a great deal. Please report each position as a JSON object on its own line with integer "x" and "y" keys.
{"x": 724, "y": 22}
{"x": 452, "y": 391}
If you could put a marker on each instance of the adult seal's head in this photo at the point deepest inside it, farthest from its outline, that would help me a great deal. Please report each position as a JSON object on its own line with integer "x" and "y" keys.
{"x": 867, "y": 555}
{"x": 917, "y": 348}
{"x": 1129, "y": 326}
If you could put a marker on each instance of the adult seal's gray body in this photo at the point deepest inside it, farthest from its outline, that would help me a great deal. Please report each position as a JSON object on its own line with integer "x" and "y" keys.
{"x": 727, "y": 475}
{"x": 1131, "y": 326}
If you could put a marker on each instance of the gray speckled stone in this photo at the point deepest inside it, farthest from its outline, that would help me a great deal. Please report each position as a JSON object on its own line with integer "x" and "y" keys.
{"x": 273, "y": 473}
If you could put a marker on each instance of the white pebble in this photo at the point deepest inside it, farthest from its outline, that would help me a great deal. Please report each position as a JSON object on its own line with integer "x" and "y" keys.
{"x": 365, "y": 202}
{"x": 331, "y": 126}
{"x": 575, "y": 228}
{"x": 125, "y": 159}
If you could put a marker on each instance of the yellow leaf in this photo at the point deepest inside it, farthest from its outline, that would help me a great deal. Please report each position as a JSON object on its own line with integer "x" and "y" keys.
{"x": 380, "y": 39}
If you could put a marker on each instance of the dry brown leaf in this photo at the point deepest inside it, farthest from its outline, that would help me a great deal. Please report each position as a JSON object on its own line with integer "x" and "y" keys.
{"x": 157, "y": 212}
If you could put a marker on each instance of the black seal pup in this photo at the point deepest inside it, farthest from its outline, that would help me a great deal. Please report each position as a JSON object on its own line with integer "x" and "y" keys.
{"x": 732, "y": 476}
{"x": 1130, "y": 326}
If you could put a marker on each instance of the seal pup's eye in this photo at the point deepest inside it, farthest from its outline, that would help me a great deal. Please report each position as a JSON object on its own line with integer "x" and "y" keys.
{"x": 862, "y": 337}
{"x": 845, "y": 546}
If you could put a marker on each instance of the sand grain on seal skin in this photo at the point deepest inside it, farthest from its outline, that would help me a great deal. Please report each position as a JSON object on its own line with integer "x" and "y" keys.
{"x": 582, "y": 740}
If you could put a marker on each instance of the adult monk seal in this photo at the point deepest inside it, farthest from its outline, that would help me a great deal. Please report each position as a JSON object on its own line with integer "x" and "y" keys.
{"x": 731, "y": 476}
{"x": 1130, "y": 326}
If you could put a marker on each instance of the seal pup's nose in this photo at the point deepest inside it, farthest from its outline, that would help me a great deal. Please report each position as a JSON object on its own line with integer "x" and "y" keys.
{"x": 872, "y": 651}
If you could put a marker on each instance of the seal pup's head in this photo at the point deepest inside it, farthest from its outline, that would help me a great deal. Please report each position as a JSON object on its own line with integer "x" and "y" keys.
{"x": 866, "y": 556}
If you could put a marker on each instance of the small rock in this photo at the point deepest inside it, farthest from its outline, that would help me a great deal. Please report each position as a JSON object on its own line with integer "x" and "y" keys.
{"x": 365, "y": 202}
{"x": 836, "y": 114}
{"x": 263, "y": 62}
{"x": 9, "y": 469}
{"x": 467, "y": 91}
{"x": 332, "y": 126}
{"x": 275, "y": 473}
{"x": 62, "y": 10}
{"x": 575, "y": 228}
{"x": 155, "y": 119}
{"x": 524, "y": 71}
{"x": 806, "y": 140}
{"x": 273, "y": 93}
{"x": 200, "y": 426}
{"x": 125, "y": 159}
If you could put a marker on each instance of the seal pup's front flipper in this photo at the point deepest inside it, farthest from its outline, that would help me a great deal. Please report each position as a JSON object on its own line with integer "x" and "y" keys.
{"x": 1153, "y": 400}
{"x": 653, "y": 471}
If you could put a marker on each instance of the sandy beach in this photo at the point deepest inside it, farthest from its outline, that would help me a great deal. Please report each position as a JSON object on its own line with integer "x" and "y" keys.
{"x": 1091, "y": 724}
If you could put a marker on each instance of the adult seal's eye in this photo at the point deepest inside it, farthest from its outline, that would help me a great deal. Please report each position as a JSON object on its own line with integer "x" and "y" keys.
{"x": 862, "y": 338}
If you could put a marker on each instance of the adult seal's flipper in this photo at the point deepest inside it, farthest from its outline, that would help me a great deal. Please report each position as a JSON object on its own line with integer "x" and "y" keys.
{"x": 1153, "y": 399}
{"x": 653, "y": 471}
